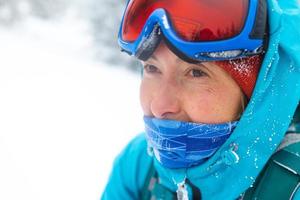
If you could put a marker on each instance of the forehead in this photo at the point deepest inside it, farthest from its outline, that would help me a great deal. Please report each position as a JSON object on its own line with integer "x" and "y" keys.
{"x": 164, "y": 56}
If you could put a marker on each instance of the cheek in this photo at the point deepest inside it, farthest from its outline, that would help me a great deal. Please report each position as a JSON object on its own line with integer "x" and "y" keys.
{"x": 212, "y": 105}
{"x": 227, "y": 104}
{"x": 200, "y": 106}
{"x": 230, "y": 104}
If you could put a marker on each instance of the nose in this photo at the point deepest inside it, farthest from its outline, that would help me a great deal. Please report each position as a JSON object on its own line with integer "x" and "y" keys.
{"x": 165, "y": 103}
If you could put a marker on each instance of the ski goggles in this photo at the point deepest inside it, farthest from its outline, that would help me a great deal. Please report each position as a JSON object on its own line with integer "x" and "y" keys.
{"x": 196, "y": 30}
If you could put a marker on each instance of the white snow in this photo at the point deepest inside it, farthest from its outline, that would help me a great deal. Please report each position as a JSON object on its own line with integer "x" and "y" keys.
{"x": 63, "y": 116}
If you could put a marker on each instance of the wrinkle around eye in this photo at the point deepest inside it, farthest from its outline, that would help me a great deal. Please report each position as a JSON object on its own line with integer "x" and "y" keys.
{"x": 196, "y": 72}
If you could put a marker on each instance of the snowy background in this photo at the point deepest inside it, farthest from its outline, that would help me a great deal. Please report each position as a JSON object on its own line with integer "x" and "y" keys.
{"x": 69, "y": 99}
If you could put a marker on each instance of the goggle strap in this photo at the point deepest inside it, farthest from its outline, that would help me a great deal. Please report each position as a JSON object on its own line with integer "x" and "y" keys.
{"x": 128, "y": 52}
{"x": 178, "y": 52}
{"x": 148, "y": 46}
{"x": 259, "y": 27}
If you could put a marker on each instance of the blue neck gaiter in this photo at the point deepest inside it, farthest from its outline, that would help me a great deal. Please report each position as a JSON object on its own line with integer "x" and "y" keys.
{"x": 178, "y": 144}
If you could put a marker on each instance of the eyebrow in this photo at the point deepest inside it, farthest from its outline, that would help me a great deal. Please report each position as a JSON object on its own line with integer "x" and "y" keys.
{"x": 156, "y": 59}
{"x": 153, "y": 57}
{"x": 205, "y": 67}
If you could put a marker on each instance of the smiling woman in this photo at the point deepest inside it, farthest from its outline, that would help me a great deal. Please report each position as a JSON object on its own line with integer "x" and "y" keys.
{"x": 217, "y": 106}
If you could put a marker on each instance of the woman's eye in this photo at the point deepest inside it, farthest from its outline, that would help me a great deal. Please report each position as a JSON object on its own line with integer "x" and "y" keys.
{"x": 197, "y": 73}
{"x": 150, "y": 69}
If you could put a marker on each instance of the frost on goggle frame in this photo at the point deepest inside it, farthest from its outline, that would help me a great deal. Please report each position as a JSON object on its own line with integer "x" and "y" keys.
{"x": 228, "y": 54}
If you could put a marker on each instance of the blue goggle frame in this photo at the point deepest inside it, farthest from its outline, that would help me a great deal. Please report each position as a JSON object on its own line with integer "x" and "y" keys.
{"x": 250, "y": 41}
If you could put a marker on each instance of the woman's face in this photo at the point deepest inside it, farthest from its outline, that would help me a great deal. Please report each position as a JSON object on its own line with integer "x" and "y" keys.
{"x": 174, "y": 89}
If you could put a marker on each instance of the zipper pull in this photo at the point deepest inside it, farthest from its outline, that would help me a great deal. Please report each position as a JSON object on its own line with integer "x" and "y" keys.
{"x": 182, "y": 193}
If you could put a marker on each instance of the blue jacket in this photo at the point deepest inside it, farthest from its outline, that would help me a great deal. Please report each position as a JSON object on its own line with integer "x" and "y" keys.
{"x": 258, "y": 134}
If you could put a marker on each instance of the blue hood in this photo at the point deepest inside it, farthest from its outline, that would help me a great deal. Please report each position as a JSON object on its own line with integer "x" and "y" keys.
{"x": 235, "y": 166}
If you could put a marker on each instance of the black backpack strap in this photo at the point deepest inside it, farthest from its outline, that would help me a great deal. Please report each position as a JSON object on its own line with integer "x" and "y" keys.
{"x": 281, "y": 176}
{"x": 196, "y": 191}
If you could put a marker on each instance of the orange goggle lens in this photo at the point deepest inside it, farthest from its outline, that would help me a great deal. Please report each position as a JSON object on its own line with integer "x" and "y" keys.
{"x": 192, "y": 20}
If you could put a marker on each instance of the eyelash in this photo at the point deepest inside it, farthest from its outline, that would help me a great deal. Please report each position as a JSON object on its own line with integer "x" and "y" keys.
{"x": 150, "y": 69}
{"x": 199, "y": 71}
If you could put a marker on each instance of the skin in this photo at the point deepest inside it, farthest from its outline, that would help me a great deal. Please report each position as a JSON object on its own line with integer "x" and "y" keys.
{"x": 174, "y": 89}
